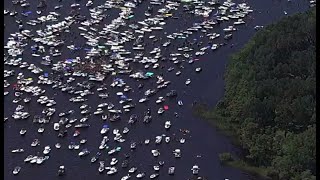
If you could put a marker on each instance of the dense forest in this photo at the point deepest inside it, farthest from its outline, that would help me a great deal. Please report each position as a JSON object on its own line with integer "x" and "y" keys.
{"x": 270, "y": 99}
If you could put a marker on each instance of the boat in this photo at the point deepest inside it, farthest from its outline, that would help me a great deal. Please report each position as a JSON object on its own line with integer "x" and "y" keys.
{"x": 188, "y": 81}
{"x": 113, "y": 161}
{"x": 17, "y": 150}
{"x": 101, "y": 166}
{"x": 112, "y": 171}
{"x": 155, "y": 152}
{"x": 158, "y": 139}
{"x": 16, "y": 170}
{"x": 195, "y": 169}
{"x": 96, "y": 157}
{"x": 133, "y": 145}
{"x": 76, "y": 133}
{"x": 132, "y": 170}
{"x": 140, "y": 175}
{"x": 177, "y": 153}
{"x": 125, "y": 177}
{"x": 46, "y": 150}
{"x": 146, "y": 141}
{"x": 84, "y": 152}
{"x": 167, "y": 139}
{"x": 35, "y": 142}
{"x": 198, "y": 69}
{"x": 171, "y": 170}
{"x": 182, "y": 140}
{"x": 41, "y": 130}
{"x": 167, "y": 124}
{"x": 156, "y": 168}
{"x": 160, "y": 110}
{"x": 28, "y": 158}
{"x": 104, "y": 129}
{"x": 58, "y": 145}
{"x": 125, "y": 130}
{"x": 152, "y": 176}
{"x": 61, "y": 171}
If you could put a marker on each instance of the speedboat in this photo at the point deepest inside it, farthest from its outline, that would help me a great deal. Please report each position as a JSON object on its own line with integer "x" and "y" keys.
{"x": 125, "y": 130}
{"x": 156, "y": 168}
{"x": 161, "y": 110}
{"x": 167, "y": 139}
{"x": 182, "y": 140}
{"x": 84, "y": 152}
{"x": 61, "y": 171}
{"x": 104, "y": 129}
{"x": 17, "y": 150}
{"x": 132, "y": 170}
{"x": 28, "y": 158}
{"x": 152, "y": 176}
{"x": 171, "y": 170}
{"x": 46, "y": 150}
{"x": 23, "y": 132}
{"x": 101, "y": 166}
{"x": 112, "y": 170}
{"x": 158, "y": 139}
{"x": 140, "y": 175}
{"x": 125, "y": 177}
{"x": 155, "y": 152}
{"x": 35, "y": 142}
{"x": 188, "y": 81}
{"x": 133, "y": 145}
{"x": 146, "y": 141}
{"x": 195, "y": 169}
{"x": 16, "y": 170}
{"x": 113, "y": 161}
{"x": 167, "y": 124}
{"x": 95, "y": 158}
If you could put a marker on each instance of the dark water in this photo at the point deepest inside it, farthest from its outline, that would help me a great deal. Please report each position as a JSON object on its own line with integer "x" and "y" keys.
{"x": 207, "y": 87}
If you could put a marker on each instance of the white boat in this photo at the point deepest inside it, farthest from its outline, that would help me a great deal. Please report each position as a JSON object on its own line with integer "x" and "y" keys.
{"x": 152, "y": 176}
{"x": 195, "y": 169}
{"x": 46, "y": 150}
{"x": 132, "y": 170}
{"x": 140, "y": 175}
{"x": 112, "y": 170}
{"x": 125, "y": 177}
{"x": 167, "y": 124}
{"x": 113, "y": 161}
{"x": 188, "y": 81}
{"x": 171, "y": 170}
{"x": 17, "y": 150}
{"x": 16, "y": 170}
{"x": 28, "y": 158}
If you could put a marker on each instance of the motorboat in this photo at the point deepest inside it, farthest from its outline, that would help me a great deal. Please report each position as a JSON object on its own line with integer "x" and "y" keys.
{"x": 28, "y": 158}
{"x": 58, "y": 145}
{"x": 171, "y": 170}
{"x": 46, "y": 150}
{"x": 158, "y": 139}
{"x": 155, "y": 152}
{"x": 84, "y": 152}
{"x": 113, "y": 162}
{"x": 16, "y": 170}
{"x": 104, "y": 129}
{"x": 195, "y": 169}
{"x": 167, "y": 124}
{"x": 146, "y": 141}
{"x": 61, "y": 171}
{"x": 125, "y": 130}
{"x": 17, "y": 150}
{"x": 125, "y": 177}
{"x": 96, "y": 157}
{"x": 188, "y": 81}
{"x": 101, "y": 166}
{"x": 152, "y": 176}
{"x": 112, "y": 171}
{"x": 35, "y": 142}
{"x": 132, "y": 170}
{"x": 23, "y": 132}
{"x": 140, "y": 175}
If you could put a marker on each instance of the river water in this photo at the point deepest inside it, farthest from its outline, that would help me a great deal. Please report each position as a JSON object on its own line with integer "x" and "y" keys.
{"x": 204, "y": 140}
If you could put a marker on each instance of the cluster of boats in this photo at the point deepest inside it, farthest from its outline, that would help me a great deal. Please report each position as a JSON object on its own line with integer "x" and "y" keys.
{"x": 108, "y": 72}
